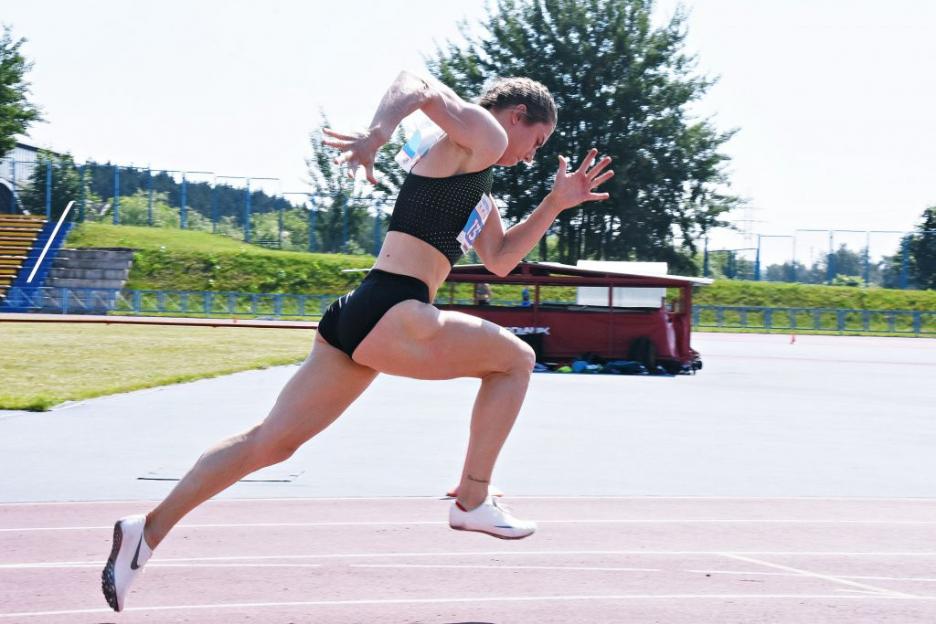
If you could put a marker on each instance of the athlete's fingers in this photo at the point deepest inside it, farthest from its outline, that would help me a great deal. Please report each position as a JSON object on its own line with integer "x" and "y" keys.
{"x": 604, "y": 177}
{"x": 589, "y": 159}
{"x": 563, "y": 165}
{"x": 598, "y": 196}
{"x": 369, "y": 170}
{"x": 604, "y": 162}
{"x": 337, "y": 135}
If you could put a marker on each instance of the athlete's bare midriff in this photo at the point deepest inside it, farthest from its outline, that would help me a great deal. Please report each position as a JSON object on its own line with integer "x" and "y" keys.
{"x": 404, "y": 254}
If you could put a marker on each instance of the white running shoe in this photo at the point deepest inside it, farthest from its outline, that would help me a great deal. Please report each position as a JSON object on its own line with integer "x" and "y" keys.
{"x": 128, "y": 555}
{"x": 491, "y": 518}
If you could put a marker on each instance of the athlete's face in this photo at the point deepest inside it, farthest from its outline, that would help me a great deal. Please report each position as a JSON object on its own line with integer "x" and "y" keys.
{"x": 523, "y": 138}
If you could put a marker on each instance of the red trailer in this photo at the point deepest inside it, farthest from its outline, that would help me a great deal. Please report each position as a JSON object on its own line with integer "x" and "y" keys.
{"x": 561, "y": 332}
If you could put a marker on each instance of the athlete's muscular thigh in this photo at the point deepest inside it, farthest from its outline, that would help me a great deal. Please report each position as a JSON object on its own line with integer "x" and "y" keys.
{"x": 317, "y": 394}
{"x": 418, "y": 340}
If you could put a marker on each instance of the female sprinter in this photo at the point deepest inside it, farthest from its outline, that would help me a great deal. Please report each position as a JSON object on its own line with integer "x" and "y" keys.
{"x": 388, "y": 324}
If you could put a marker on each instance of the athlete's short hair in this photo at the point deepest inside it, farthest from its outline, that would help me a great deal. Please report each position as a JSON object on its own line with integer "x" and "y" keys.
{"x": 505, "y": 92}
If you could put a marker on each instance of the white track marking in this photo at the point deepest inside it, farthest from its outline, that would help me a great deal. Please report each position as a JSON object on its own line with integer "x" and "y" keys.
{"x": 826, "y": 577}
{"x": 550, "y": 498}
{"x": 474, "y": 599}
{"x": 497, "y": 567}
{"x": 850, "y": 577}
{"x": 493, "y": 553}
{"x": 270, "y": 525}
{"x": 742, "y": 572}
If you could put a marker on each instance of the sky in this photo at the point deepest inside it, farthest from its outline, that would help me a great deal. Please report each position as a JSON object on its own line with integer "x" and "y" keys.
{"x": 833, "y": 100}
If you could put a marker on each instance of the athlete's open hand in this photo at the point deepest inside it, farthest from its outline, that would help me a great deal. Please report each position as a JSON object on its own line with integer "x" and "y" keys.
{"x": 357, "y": 150}
{"x": 571, "y": 189}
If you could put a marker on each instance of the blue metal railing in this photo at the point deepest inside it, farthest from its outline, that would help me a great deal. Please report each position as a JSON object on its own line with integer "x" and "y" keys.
{"x": 169, "y": 302}
{"x": 911, "y": 322}
{"x": 21, "y": 290}
{"x": 278, "y": 305}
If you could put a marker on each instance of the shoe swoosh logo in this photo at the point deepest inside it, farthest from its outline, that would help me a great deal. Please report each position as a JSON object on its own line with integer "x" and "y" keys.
{"x": 134, "y": 565}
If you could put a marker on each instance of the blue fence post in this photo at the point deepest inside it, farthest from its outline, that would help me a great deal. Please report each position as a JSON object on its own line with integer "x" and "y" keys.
{"x": 917, "y": 322}
{"x": 830, "y": 265}
{"x": 137, "y": 301}
{"x": 280, "y": 224}
{"x": 214, "y": 209}
{"x": 793, "y": 262}
{"x": 48, "y": 190}
{"x": 247, "y": 212}
{"x": 149, "y": 198}
{"x": 13, "y": 182}
{"x": 344, "y": 227}
{"x": 867, "y": 260}
{"x": 116, "y": 195}
{"x": 183, "y": 213}
{"x": 82, "y": 193}
{"x": 312, "y": 212}
{"x": 905, "y": 262}
{"x": 377, "y": 230}
{"x": 757, "y": 260}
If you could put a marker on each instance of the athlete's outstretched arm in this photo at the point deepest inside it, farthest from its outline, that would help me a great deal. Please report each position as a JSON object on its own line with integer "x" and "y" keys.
{"x": 468, "y": 125}
{"x": 501, "y": 251}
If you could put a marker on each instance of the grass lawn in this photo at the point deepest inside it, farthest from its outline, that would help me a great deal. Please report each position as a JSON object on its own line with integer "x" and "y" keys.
{"x": 44, "y": 364}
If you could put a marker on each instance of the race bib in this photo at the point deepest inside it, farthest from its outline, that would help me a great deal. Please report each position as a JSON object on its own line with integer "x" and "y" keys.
{"x": 472, "y": 229}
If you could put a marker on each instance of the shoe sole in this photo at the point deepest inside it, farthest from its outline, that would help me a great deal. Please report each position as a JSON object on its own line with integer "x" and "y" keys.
{"x": 107, "y": 576}
{"x": 503, "y": 537}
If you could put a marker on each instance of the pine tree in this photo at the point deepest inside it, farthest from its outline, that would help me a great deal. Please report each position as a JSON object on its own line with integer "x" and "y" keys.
{"x": 622, "y": 86}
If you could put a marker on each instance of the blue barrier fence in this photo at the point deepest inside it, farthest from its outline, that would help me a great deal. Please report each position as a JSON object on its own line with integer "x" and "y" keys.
{"x": 911, "y": 322}
{"x": 169, "y": 302}
{"x": 279, "y": 305}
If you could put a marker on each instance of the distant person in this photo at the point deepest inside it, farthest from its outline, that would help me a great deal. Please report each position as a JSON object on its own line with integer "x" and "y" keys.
{"x": 525, "y": 297}
{"x": 388, "y": 324}
{"x": 482, "y": 294}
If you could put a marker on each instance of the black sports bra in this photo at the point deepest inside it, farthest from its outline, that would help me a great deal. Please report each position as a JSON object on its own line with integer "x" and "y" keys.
{"x": 436, "y": 210}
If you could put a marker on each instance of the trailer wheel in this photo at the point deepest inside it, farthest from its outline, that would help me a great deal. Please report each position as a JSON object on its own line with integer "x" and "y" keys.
{"x": 644, "y": 351}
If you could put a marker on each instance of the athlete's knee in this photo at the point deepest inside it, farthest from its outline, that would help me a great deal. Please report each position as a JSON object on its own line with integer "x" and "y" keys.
{"x": 524, "y": 358}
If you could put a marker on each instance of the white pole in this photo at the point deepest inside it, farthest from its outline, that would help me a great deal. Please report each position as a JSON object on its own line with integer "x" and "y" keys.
{"x": 49, "y": 242}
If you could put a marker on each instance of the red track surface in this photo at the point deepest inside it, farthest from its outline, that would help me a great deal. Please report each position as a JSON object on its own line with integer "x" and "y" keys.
{"x": 394, "y": 560}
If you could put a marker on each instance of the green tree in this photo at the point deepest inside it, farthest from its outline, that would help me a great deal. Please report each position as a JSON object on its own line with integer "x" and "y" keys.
{"x": 923, "y": 251}
{"x": 921, "y": 255}
{"x": 622, "y": 86}
{"x": 344, "y": 206}
{"x": 16, "y": 111}
{"x": 66, "y": 186}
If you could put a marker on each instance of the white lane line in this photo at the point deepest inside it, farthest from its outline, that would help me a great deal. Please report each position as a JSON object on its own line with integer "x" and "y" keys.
{"x": 475, "y": 599}
{"x": 825, "y": 577}
{"x": 152, "y": 564}
{"x": 647, "y": 498}
{"x": 497, "y": 567}
{"x": 741, "y": 572}
{"x": 268, "y": 525}
{"x": 492, "y": 553}
{"x": 852, "y": 577}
